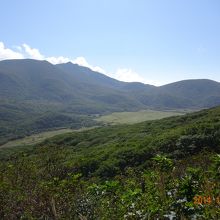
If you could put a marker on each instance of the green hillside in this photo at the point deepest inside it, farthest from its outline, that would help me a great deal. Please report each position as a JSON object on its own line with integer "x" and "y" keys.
{"x": 36, "y": 96}
{"x": 203, "y": 92}
{"x": 151, "y": 170}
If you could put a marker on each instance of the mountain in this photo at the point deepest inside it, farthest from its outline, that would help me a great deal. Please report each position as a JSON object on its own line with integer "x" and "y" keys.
{"x": 36, "y": 95}
{"x": 28, "y": 80}
{"x": 201, "y": 92}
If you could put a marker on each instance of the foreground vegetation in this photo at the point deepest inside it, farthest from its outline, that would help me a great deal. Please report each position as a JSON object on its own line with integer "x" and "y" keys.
{"x": 163, "y": 169}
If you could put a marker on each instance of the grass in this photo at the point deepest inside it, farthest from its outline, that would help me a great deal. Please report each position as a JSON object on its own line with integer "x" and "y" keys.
{"x": 35, "y": 138}
{"x": 26, "y": 144}
{"x": 135, "y": 117}
{"x": 114, "y": 118}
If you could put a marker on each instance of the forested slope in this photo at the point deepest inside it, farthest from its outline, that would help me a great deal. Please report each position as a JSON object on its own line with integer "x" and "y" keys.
{"x": 151, "y": 170}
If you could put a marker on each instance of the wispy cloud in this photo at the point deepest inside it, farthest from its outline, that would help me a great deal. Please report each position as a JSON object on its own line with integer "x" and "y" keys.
{"x": 83, "y": 62}
{"x": 32, "y": 52}
{"x": 26, "y": 51}
{"x": 57, "y": 60}
{"x": 6, "y": 53}
{"x": 128, "y": 75}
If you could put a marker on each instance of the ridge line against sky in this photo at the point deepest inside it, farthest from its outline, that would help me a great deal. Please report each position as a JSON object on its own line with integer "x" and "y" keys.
{"x": 24, "y": 51}
{"x": 150, "y": 41}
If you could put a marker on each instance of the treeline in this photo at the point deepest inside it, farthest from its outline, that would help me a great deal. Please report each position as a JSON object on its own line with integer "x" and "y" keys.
{"x": 46, "y": 122}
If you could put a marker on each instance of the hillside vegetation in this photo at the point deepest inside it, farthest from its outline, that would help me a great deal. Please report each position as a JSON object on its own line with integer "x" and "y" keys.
{"x": 152, "y": 170}
{"x": 114, "y": 118}
{"x": 35, "y": 138}
{"x": 36, "y": 96}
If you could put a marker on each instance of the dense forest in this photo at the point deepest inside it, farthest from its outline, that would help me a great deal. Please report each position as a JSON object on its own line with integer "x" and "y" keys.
{"x": 162, "y": 169}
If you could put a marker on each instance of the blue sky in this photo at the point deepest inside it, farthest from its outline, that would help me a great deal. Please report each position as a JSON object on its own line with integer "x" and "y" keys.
{"x": 153, "y": 41}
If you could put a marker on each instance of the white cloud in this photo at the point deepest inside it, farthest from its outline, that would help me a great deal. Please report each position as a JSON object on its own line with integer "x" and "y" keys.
{"x": 83, "y": 62}
{"x": 128, "y": 75}
{"x": 6, "y": 53}
{"x": 57, "y": 60}
{"x": 25, "y": 51}
{"x": 99, "y": 69}
{"x": 33, "y": 52}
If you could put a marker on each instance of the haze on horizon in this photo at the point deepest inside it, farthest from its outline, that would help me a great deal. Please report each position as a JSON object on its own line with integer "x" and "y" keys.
{"x": 154, "y": 42}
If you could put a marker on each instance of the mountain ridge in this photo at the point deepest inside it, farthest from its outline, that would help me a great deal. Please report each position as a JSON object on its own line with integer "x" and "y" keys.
{"x": 36, "y": 95}
{"x": 29, "y": 79}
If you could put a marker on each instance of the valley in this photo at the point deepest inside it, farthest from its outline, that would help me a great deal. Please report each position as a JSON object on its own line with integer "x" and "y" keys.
{"x": 37, "y": 96}
{"x": 114, "y": 118}
{"x": 110, "y": 110}
{"x": 76, "y": 144}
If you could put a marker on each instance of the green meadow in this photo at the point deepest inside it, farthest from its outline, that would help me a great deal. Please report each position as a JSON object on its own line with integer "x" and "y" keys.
{"x": 35, "y": 138}
{"x": 139, "y": 116}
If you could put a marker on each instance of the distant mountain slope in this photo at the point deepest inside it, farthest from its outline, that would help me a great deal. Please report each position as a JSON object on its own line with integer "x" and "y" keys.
{"x": 69, "y": 83}
{"x": 31, "y": 79}
{"x": 85, "y": 75}
{"x": 33, "y": 91}
{"x": 201, "y": 92}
